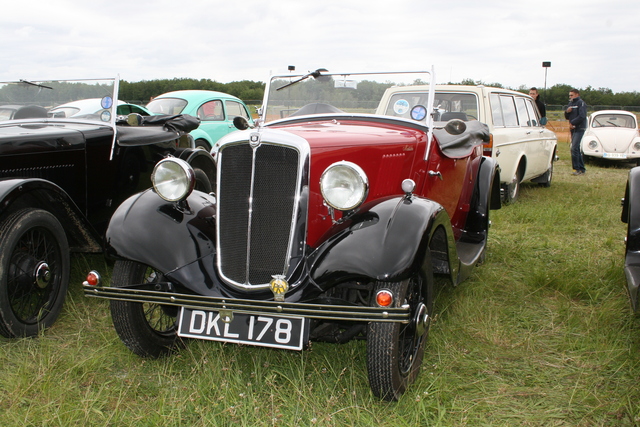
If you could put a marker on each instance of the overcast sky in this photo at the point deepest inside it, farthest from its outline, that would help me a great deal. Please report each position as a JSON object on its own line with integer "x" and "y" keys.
{"x": 589, "y": 43}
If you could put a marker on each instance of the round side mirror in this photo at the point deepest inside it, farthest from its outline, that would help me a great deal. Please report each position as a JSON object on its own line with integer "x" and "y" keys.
{"x": 134, "y": 119}
{"x": 241, "y": 123}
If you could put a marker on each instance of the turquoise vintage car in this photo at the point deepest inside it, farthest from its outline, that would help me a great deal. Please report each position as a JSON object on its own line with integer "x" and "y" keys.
{"x": 216, "y": 111}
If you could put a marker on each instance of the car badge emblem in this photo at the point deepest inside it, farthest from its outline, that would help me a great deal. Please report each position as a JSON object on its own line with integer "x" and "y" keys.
{"x": 278, "y": 286}
{"x": 254, "y": 139}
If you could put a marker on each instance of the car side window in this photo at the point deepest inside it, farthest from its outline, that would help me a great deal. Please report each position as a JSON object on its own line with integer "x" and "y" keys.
{"x": 509, "y": 111}
{"x": 236, "y": 109}
{"x": 496, "y": 110}
{"x": 533, "y": 113}
{"x": 211, "y": 111}
{"x": 523, "y": 114}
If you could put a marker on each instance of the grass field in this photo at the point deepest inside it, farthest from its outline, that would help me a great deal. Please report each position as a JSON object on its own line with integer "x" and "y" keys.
{"x": 540, "y": 335}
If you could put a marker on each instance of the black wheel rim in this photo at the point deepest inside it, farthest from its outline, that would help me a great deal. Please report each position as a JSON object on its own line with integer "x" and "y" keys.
{"x": 162, "y": 319}
{"x": 34, "y": 275}
{"x": 410, "y": 342}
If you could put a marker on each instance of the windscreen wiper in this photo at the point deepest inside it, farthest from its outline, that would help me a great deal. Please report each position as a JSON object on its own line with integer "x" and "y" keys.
{"x": 315, "y": 74}
{"x": 35, "y": 84}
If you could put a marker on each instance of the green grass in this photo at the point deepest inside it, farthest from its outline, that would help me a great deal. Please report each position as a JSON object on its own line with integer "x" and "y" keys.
{"x": 540, "y": 335}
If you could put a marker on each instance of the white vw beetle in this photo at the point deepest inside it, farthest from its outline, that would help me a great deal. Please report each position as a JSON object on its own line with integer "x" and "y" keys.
{"x": 612, "y": 134}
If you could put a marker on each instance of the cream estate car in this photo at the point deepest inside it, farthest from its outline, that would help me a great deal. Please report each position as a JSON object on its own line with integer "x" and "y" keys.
{"x": 612, "y": 135}
{"x": 523, "y": 148}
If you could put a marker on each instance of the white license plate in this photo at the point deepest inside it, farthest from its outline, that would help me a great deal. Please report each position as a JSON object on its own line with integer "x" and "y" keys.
{"x": 266, "y": 331}
{"x": 614, "y": 155}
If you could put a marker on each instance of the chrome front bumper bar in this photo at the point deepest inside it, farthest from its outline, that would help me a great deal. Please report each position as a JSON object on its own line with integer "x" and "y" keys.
{"x": 277, "y": 308}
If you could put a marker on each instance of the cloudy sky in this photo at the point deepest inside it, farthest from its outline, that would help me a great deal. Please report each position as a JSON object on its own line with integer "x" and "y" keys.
{"x": 589, "y": 43}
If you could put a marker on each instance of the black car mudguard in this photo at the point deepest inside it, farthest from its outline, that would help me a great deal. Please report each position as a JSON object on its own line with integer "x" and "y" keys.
{"x": 166, "y": 236}
{"x": 389, "y": 243}
{"x": 18, "y": 193}
{"x": 631, "y": 216}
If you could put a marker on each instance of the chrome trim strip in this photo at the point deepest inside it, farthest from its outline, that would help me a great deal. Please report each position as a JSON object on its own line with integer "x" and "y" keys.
{"x": 312, "y": 311}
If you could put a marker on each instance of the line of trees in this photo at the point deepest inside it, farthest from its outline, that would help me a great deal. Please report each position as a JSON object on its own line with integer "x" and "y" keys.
{"x": 248, "y": 90}
{"x": 559, "y": 94}
{"x": 145, "y": 90}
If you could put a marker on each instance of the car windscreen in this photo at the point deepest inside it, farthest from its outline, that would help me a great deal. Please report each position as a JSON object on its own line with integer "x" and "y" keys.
{"x": 39, "y": 99}
{"x": 169, "y": 106}
{"x": 448, "y": 105}
{"x": 614, "y": 120}
{"x": 334, "y": 93}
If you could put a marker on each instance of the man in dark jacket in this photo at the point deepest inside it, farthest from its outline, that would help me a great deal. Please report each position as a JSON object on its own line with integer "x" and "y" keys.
{"x": 576, "y": 113}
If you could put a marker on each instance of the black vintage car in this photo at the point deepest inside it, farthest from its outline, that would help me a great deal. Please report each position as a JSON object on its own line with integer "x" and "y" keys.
{"x": 631, "y": 216}
{"x": 62, "y": 177}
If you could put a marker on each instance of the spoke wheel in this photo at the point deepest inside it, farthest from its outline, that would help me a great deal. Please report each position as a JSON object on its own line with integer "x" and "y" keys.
{"x": 34, "y": 275}
{"x": 395, "y": 350}
{"x": 149, "y": 330}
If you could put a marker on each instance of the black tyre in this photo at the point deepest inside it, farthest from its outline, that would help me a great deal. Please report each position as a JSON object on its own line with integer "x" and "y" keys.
{"x": 547, "y": 177}
{"x": 202, "y": 143}
{"x": 34, "y": 272}
{"x": 202, "y": 181}
{"x": 149, "y": 330}
{"x": 512, "y": 190}
{"x": 395, "y": 350}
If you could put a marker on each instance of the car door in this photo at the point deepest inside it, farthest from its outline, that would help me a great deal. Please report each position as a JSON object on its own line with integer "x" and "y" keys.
{"x": 544, "y": 141}
{"x": 531, "y": 146}
{"x": 509, "y": 138}
{"x": 213, "y": 120}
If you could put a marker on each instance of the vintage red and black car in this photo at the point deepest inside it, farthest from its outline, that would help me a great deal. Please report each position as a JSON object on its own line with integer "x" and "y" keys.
{"x": 327, "y": 222}
{"x": 61, "y": 178}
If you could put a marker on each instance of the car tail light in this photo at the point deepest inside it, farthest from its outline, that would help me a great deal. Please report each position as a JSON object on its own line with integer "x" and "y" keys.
{"x": 93, "y": 278}
{"x": 384, "y": 298}
{"x": 487, "y": 147}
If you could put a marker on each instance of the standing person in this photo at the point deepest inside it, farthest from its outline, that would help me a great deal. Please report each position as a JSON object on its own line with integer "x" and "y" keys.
{"x": 533, "y": 92}
{"x": 576, "y": 113}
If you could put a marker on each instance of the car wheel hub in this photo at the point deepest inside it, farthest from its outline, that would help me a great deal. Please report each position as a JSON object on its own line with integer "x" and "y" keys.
{"x": 27, "y": 271}
{"x": 421, "y": 319}
{"x": 42, "y": 275}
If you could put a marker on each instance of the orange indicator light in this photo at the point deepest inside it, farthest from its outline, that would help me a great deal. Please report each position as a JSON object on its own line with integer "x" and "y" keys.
{"x": 384, "y": 298}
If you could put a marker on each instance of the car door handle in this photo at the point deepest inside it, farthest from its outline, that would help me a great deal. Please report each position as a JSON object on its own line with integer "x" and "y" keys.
{"x": 438, "y": 174}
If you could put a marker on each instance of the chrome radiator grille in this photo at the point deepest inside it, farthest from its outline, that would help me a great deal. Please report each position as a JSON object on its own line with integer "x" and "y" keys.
{"x": 256, "y": 207}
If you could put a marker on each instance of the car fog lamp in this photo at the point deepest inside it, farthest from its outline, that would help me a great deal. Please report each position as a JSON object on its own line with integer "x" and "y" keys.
{"x": 93, "y": 278}
{"x": 344, "y": 185}
{"x": 384, "y": 298}
{"x": 173, "y": 179}
{"x": 637, "y": 145}
{"x": 593, "y": 144}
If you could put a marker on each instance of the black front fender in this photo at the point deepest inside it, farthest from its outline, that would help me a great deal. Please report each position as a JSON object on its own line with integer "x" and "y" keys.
{"x": 389, "y": 243}
{"x": 165, "y": 235}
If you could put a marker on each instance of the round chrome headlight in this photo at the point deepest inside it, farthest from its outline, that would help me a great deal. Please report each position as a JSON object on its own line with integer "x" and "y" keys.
{"x": 344, "y": 185}
{"x": 173, "y": 179}
{"x": 593, "y": 144}
{"x": 637, "y": 145}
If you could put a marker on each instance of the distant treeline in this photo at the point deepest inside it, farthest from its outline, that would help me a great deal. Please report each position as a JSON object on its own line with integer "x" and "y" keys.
{"x": 249, "y": 90}
{"x": 144, "y": 90}
{"x": 559, "y": 94}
